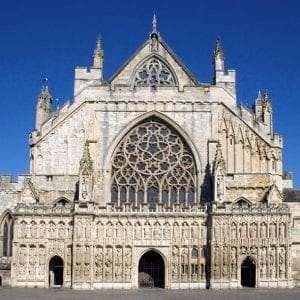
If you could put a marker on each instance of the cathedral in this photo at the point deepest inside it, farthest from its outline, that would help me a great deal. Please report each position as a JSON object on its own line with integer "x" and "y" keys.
{"x": 151, "y": 179}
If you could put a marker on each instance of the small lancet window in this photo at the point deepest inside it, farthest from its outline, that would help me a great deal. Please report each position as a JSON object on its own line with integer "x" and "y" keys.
{"x": 7, "y": 236}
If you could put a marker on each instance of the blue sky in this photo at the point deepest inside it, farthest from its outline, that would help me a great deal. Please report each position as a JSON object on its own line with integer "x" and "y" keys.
{"x": 49, "y": 38}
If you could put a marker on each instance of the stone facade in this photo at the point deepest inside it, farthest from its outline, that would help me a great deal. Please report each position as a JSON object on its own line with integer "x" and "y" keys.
{"x": 151, "y": 179}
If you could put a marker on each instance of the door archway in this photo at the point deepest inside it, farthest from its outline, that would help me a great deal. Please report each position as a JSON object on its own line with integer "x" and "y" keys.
{"x": 56, "y": 271}
{"x": 248, "y": 273}
{"x": 151, "y": 270}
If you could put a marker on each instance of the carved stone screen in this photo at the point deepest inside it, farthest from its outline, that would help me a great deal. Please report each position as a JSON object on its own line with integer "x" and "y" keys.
{"x": 154, "y": 72}
{"x": 153, "y": 165}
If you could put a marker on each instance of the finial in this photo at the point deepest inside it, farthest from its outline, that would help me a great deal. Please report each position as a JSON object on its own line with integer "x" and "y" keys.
{"x": 44, "y": 84}
{"x": 219, "y": 49}
{"x": 154, "y": 24}
{"x": 98, "y": 53}
{"x": 99, "y": 43}
{"x": 259, "y": 96}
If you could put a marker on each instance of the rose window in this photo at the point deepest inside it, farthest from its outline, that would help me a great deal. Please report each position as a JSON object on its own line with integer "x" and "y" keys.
{"x": 152, "y": 164}
{"x": 153, "y": 73}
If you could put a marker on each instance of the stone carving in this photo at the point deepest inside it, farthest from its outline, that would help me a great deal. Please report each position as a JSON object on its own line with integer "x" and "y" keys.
{"x": 118, "y": 269}
{"x": 282, "y": 230}
{"x": 272, "y": 230}
{"x": 216, "y": 262}
{"x": 108, "y": 263}
{"x": 272, "y": 261}
{"x": 128, "y": 262}
{"x": 243, "y": 230}
{"x": 167, "y": 231}
{"x": 263, "y": 230}
{"x": 99, "y": 262}
{"x": 138, "y": 231}
{"x": 120, "y": 231}
{"x": 263, "y": 262}
{"x": 156, "y": 231}
{"x": 253, "y": 230}
{"x": 282, "y": 268}
{"x": 147, "y": 231}
{"x": 175, "y": 262}
{"x": 233, "y": 259}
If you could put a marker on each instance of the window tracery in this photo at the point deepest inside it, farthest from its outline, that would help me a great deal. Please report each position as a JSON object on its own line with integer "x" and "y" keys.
{"x": 151, "y": 165}
{"x": 153, "y": 73}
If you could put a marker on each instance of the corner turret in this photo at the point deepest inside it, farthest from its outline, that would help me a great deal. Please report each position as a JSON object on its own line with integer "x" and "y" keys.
{"x": 85, "y": 76}
{"x": 263, "y": 111}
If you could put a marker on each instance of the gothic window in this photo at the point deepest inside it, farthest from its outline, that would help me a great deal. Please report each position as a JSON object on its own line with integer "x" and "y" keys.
{"x": 153, "y": 164}
{"x": 6, "y": 236}
{"x": 154, "y": 72}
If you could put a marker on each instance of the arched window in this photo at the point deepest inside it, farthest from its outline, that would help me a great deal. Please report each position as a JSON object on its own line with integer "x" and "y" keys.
{"x": 154, "y": 72}
{"x": 7, "y": 232}
{"x": 153, "y": 164}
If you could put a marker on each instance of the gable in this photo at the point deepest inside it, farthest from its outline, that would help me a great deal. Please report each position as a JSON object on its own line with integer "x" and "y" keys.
{"x": 170, "y": 69}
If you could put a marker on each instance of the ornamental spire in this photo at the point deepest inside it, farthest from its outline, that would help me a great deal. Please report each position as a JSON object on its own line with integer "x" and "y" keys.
{"x": 98, "y": 54}
{"x": 219, "y": 49}
{"x": 86, "y": 163}
{"x": 154, "y": 24}
{"x": 154, "y": 36}
{"x": 259, "y": 96}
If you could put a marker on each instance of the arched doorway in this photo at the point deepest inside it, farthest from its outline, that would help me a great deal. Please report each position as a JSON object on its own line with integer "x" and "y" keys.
{"x": 151, "y": 271}
{"x": 56, "y": 271}
{"x": 248, "y": 272}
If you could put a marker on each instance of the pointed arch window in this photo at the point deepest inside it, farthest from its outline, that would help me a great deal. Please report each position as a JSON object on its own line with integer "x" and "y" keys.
{"x": 6, "y": 235}
{"x": 154, "y": 72}
{"x": 151, "y": 165}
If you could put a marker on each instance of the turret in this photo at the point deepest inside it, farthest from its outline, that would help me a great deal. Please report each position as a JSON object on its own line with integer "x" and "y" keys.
{"x": 44, "y": 107}
{"x": 86, "y": 75}
{"x": 219, "y": 58}
{"x": 222, "y": 78}
{"x": 263, "y": 111}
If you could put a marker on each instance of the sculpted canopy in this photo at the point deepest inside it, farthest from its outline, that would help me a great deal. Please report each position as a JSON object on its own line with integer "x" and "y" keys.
{"x": 153, "y": 165}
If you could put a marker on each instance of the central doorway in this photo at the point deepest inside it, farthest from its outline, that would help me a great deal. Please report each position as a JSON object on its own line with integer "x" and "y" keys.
{"x": 56, "y": 271}
{"x": 248, "y": 271}
{"x": 151, "y": 270}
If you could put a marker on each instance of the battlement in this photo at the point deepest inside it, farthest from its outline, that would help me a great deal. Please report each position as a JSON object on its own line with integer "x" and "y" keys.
{"x": 7, "y": 181}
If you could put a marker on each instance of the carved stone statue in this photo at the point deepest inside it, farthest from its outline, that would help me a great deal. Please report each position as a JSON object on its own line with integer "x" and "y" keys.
{"x": 272, "y": 230}
{"x": 282, "y": 230}
{"x": 99, "y": 262}
{"x": 118, "y": 263}
{"x": 282, "y": 268}
{"x": 108, "y": 263}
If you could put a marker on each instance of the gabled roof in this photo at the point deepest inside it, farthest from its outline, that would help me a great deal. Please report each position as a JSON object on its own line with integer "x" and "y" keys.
{"x": 139, "y": 53}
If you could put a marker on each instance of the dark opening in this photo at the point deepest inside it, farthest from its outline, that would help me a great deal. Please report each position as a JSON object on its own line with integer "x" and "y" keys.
{"x": 0, "y": 281}
{"x": 56, "y": 271}
{"x": 248, "y": 271}
{"x": 151, "y": 271}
